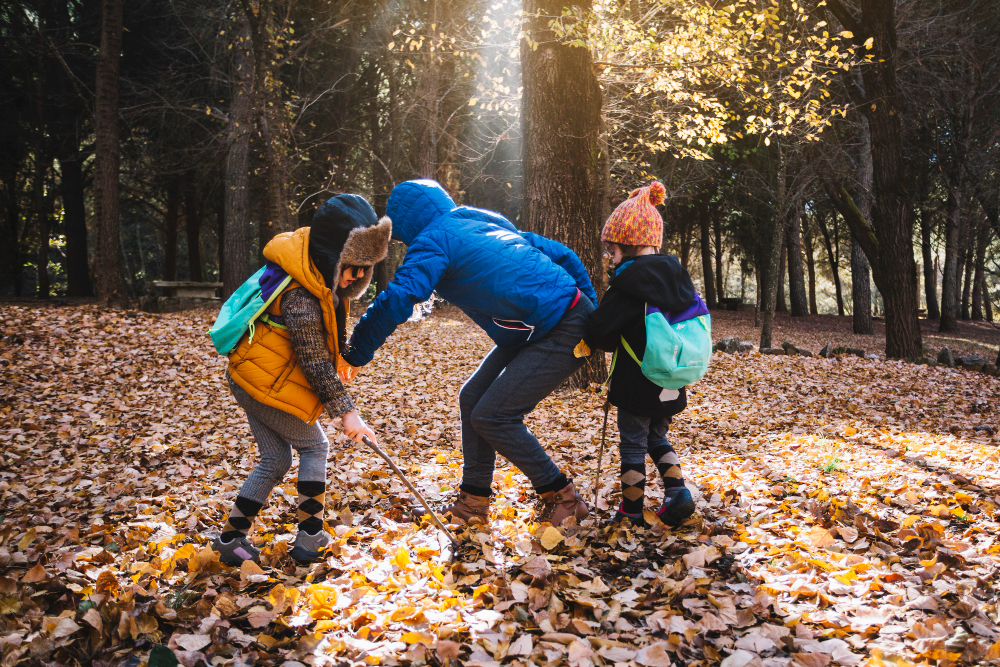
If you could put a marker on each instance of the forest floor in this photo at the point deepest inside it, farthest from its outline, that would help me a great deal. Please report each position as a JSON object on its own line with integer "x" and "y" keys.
{"x": 847, "y": 515}
{"x": 813, "y": 332}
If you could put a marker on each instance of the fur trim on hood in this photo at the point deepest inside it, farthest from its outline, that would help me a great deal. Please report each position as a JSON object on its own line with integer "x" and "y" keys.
{"x": 365, "y": 246}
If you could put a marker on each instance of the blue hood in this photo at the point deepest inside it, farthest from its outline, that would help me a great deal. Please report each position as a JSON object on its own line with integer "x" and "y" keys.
{"x": 415, "y": 204}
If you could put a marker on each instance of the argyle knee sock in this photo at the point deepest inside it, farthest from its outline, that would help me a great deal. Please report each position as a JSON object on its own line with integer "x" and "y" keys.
{"x": 240, "y": 518}
{"x": 310, "y": 513}
{"x": 633, "y": 479}
{"x": 668, "y": 465}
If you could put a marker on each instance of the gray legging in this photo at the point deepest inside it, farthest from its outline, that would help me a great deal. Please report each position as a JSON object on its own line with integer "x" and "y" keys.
{"x": 277, "y": 433}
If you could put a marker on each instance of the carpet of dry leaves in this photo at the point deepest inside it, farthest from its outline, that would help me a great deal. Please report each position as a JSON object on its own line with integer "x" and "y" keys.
{"x": 847, "y": 516}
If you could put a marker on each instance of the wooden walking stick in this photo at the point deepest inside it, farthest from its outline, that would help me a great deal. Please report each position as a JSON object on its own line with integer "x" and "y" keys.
{"x": 600, "y": 456}
{"x": 413, "y": 490}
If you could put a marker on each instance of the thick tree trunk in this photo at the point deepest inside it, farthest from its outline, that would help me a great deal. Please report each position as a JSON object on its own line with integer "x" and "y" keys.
{"x": 796, "y": 278}
{"x": 930, "y": 274}
{"x": 831, "y": 258}
{"x": 192, "y": 227}
{"x": 968, "y": 267}
{"x": 109, "y": 271}
{"x": 706, "y": 255}
{"x": 236, "y": 263}
{"x": 75, "y": 219}
{"x": 987, "y": 301}
{"x": 170, "y": 229}
{"x": 807, "y": 236}
{"x": 563, "y": 154}
{"x": 42, "y": 219}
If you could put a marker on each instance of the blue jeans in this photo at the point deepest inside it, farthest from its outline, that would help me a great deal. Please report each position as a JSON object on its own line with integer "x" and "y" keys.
{"x": 640, "y": 435}
{"x": 508, "y": 384}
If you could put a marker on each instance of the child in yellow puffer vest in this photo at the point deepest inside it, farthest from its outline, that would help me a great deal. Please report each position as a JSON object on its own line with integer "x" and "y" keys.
{"x": 284, "y": 372}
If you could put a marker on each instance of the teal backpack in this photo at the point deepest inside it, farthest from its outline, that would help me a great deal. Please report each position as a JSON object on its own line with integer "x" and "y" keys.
{"x": 676, "y": 354}
{"x": 241, "y": 310}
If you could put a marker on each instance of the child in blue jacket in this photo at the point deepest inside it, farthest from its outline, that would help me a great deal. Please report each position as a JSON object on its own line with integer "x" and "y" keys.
{"x": 530, "y": 294}
{"x": 643, "y": 278}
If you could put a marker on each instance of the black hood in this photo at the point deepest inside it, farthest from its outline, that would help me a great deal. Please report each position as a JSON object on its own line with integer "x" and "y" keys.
{"x": 660, "y": 280}
{"x": 345, "y": 230}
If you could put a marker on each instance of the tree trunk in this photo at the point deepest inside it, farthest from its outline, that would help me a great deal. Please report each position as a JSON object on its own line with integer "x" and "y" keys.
{"x": 220, "y": 226}
{"x": 237, "y": 265}
{"x": 968, "y": 267}
{"x": 861, "y": 292}
{"x": 774, "y": 274}
{"x": 832, "y": 260}
{"x": 930, "y": 275}
{"x": 781, "y": 305}
{"x": 807, "y": 235}
{"x": 949, "y": 281}
{"x": 979, "y": 281}
{"x": 75, "y": 218}
{"x": 706, "y": 255}
{"x": 42, "y": 218}
{"x": 987, "y": 301}
{"x": 796, "y": 278}
{"x": 170, "y": 229}
{"x": 10, "y": 224}
{"x": 887, "y": 236}
{"x": 563, "y": 154}
{"x": 192, "y": 227}
{"x": 720, "y": 287}
{"x": 109, "y": 271}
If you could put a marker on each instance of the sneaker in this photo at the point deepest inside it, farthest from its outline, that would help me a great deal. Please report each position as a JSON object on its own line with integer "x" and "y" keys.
{"x": 635, "y": 519}
{"x": 677, "y": 506}
{"x": 466, "y": 509}
{"x": 234, "y": 552}
{"x": 562, "y": 504}
{"x": 307, "y": 548}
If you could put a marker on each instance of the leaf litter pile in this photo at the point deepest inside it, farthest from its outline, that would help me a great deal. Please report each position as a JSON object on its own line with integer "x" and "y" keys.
{"x": 847, "y": 515}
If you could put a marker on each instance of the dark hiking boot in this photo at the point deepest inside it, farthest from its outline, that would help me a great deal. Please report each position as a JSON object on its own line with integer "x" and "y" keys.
{"x": 677, "y": 507}
{"x": 234, "y": 552}
{"x": 466, "y": 510}
{"x": 557, "y": 506}
{"x": 635, "y": 519}
{"x": 307, "y": 548}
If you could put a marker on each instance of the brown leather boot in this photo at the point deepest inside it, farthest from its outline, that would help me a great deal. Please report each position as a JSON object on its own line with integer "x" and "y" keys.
{"x": 562, "y": 504}
{"x": 466, "y": 509}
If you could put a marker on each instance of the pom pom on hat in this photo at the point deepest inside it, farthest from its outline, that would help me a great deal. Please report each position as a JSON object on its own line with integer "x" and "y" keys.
{"x": 636, "y": 220}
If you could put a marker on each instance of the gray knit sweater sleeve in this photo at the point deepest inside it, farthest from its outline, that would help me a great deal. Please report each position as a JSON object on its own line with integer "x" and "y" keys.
{"x": 304, "y": 319}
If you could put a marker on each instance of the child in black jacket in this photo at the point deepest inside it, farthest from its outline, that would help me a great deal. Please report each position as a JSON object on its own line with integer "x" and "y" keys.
{"x": 643, "y": 278}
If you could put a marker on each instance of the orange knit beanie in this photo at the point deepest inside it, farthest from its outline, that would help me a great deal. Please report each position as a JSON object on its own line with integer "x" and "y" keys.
{"x": 636, "y": 220}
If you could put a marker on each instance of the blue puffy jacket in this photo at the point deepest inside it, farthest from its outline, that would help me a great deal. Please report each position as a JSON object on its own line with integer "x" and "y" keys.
{"x": 515, "y": 285}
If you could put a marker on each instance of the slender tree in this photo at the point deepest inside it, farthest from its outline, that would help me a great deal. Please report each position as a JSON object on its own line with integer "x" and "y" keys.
{"x": 109, "y": 267}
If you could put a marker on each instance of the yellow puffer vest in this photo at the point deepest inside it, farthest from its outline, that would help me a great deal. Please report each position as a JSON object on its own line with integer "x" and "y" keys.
{"x": 263, "y": 362}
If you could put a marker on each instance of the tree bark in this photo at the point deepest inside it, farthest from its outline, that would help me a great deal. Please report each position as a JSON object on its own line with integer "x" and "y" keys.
{"x": 781, "y": 305}
{"x": 42, "y": 218}
{"x": 10, "y": 226}
{"x": 192, "y": 227}
{"x": 952, "y": 251}
{"x": 170, "y": 229}
{"x": 236, "y": 262}
{"x": 807, "y": 235}
{"x": 796, "y": 278}
{"x": 563, "y": 154}
{"x": 774, "y": 274}
{"x": 930, "y": 275}
{"x": 720, "y": 287}
{"x": 861, "y": 286}
{"x": 706, "y": 255}
{"x": 979, "y": 280}
{"x": 109, "y": 271}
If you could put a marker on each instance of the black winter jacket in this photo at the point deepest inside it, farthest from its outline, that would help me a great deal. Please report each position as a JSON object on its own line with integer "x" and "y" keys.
{"x": 661, "y": 281}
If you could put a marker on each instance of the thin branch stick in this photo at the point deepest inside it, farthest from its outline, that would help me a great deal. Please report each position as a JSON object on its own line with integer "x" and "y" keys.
{"x": 378, "y": 450}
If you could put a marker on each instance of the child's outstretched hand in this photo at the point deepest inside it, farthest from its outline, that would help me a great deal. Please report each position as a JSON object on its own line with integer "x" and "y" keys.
{"x": 346, "y": 371}
{"x": 355, "y": 427}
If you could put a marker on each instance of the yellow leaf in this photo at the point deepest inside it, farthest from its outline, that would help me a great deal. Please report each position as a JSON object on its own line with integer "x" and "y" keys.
{"x": 28, "y": 538}
{"x": 869, "y": 42}
{"x": 581, "y": 350}
{"x": 402, "y": 558}
{"x": 846, "y": 34}
{"x": 551, "y": 537}
{"x": 248, "y": 568}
